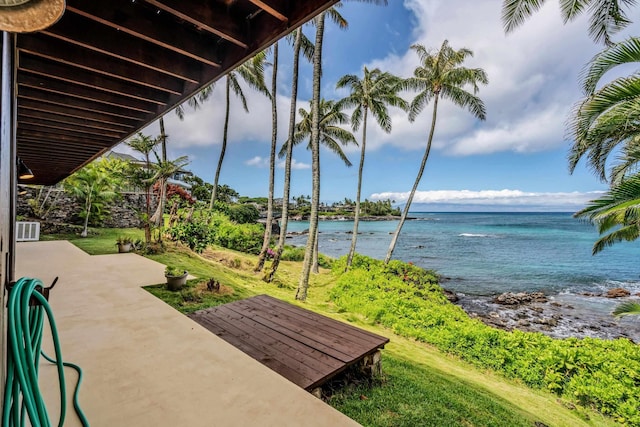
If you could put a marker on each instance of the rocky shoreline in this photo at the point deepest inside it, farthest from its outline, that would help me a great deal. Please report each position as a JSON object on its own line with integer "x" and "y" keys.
{"x": 350, "y": 218}
{"x": 558, "y": 316}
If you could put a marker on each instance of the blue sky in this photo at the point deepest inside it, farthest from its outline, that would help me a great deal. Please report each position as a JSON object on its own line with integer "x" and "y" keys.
{"x": 515, "y": 160}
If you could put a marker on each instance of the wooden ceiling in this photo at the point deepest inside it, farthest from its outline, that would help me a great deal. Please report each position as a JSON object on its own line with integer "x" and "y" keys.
{"x": 110, "y": 67}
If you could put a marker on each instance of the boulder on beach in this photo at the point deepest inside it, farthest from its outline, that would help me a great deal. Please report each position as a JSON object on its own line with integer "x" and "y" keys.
{"x": 617, "y": 293}
{"x": 510, "y": 298}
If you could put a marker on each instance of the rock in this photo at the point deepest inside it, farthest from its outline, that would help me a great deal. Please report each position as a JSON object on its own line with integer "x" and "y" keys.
{"x": 510, "y": 298}
{"x": 617, "y": 293}
{"x": 451, "y": 296}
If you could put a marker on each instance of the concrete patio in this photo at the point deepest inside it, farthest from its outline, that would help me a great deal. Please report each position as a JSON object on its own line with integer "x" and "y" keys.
{"x": 145, "y": 364}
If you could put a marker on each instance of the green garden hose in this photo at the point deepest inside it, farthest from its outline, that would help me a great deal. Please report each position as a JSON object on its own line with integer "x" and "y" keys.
{"x": 25, "y": 319}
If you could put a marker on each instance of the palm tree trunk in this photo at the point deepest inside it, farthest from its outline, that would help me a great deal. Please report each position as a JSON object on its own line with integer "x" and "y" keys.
{"x": 147, "y": 225}
{"x": 287, "y": 164}
{"x": 223, "y": 149}
{"x": 315, "y": 267}
{"x": 303, "y": 284}
{"x": 272, "y": 160}
{"x": 158, "y": 216}
{"x": 394, "y": 240}
{"x": 356, "y": 216}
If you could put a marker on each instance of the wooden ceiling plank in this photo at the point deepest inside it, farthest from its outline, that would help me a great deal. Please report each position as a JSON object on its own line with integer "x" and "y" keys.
{"x": 48, "y": 133}
{"x": 66, "y": 127}
{"x": 95, "y": 62}
{"x": 67, "y": 111}
{"x": 82, "y": 123}
{"x": 82, "y": 32}
{"x": 82, "y": 92}
{"x": 81, "y": 104}
{"x": 210, "y": 16}
{"x": 271, "y": 9}
{"x": 69, "y": 74}
{"x": 123, "y": 15}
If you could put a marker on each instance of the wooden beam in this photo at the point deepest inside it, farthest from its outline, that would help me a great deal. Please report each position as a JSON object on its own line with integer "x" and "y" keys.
{"x": 128, "y": 17}
{"x": 72, "y": 112}
{"x": 82, "y": 92}
{"x": 25, "y": 114}
{"x": 66, "y": 73}
{"x": 67, "y": 53}
{"x": 65, "y": 127}
{"x": 39, "y": 132}
{"x": 81, "y": 104}
{"x": 99, "y": 38}
{"x": 271, "y": 9}
{"x": 210, "y": 16}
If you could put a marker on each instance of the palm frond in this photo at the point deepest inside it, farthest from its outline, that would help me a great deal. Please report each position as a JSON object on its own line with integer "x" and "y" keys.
{"x": 627, "y": 309}
{"x": 624, "y": 52}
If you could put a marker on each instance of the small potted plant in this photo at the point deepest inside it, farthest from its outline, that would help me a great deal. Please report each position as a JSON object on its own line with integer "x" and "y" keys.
{"x": 124, "y": 244}
{"x": 176, "y": 277}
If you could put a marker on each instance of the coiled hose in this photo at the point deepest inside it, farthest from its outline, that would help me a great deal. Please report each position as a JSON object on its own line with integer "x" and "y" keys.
{"x": 25, "y": 319}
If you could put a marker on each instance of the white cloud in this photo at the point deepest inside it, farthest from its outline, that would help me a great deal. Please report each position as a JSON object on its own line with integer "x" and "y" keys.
{"x": 258, "y": 161}
{"x": 263, "y": 162}
{"x": 493, "y": 197}
{"x": 295, "y": 165}
{"x": 533, "y": 78}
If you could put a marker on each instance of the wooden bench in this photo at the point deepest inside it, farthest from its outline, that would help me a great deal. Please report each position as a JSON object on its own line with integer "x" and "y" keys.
{"x": 305, "y": 347}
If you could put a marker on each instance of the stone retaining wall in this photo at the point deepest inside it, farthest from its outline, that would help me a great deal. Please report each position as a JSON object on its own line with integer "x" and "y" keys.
{"x": 124, "y": 211}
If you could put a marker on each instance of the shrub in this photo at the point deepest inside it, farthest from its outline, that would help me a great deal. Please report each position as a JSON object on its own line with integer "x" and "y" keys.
{"x": 291, "y": 253}
{"x": 595, "y": 373}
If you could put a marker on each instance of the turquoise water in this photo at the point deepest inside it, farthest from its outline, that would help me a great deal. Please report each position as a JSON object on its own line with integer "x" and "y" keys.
{"x": 491, "y": 253}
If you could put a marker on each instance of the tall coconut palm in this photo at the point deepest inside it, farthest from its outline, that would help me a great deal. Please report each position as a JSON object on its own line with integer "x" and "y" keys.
{"x": 301, "y": 45}
{"x": 331, "y": 135}
{"x": 144, "y": 144}
{"x": 373, "y": 93}
{"x": 606, "y": 16}
{"x": 608, "y": 116}
{"x": 252, "y": 73}
{"x": 157, "y": 217}
{"x": 439, "y": 75}
{"x": 303, "y": 284}
{"x": 618, "y": 210}
{"x": 272, "y": 160}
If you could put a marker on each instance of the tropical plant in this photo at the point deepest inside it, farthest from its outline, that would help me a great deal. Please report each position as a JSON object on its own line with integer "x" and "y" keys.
{"x": 94, "y": 186}
{"x": 627, "y": 309}
{"x": 252, "y": 72}
{"x": 143, "y": 144}
{"x": 606, "y": 16}
{"x": 299, "y": 46}
{"x": 439, "y": 75}
{"x": 618, "y": 210}
{"x": 608, "y": 116}
{"x": 372, "y": 94}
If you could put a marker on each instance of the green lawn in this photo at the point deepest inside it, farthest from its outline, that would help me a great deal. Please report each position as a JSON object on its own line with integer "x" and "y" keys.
{"x": 420, "y": 386}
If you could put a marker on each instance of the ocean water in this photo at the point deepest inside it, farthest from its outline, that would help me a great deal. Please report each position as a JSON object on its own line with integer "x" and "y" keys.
{"x": 489, "y": 253}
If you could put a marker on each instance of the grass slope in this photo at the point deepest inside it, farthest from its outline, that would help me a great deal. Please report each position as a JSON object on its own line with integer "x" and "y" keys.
{"x": 420, "y": 386}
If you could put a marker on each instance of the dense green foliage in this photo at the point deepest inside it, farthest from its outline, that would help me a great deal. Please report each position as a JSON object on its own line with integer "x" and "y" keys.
{"x": 222, "y": 231}
{"x": 244, "y": 213}
{"x": 292, "y": 253}
{"x": 378, "y": 208}
{"x": 604, "y": 375}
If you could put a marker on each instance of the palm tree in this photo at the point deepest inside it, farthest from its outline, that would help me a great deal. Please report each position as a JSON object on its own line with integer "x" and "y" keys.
{"x": 331, "y": 135}
{"x": 301, "y": 44}
{"x": 607, "y": 16}
{"x": 157, "y": 217}
{"x": 439, "y": 75}
{"x": 618, "y": 209}
{"x": 144, "y": 144}
{"x": 252, "y": 72}
{"x": 272, "y": 160}
{"x": 94, "y": 186}
{"x": 608, "y": 116}
{"x": 372, "y": 94}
